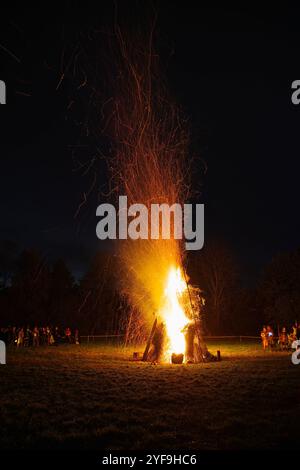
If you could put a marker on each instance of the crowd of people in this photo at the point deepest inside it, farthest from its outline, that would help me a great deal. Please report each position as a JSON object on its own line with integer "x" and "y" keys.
{"x": 38, "y": 336}
{"x": 48, "y": 336}
{"x": 284, "y": 340}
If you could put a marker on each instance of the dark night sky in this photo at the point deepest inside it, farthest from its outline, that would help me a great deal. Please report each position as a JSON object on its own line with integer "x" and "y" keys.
{"x": 231, "y": 71}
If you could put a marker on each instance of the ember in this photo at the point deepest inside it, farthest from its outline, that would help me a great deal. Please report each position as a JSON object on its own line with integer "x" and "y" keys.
{"x": 149, "y": 166}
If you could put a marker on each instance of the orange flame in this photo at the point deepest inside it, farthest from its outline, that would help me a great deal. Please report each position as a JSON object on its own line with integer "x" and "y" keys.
{"x": 173, "y": 313}
{"x": 148, "y": 165}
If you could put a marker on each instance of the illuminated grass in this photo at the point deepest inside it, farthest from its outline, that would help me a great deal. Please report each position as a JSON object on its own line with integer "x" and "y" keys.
{"x": 94, "y": 397}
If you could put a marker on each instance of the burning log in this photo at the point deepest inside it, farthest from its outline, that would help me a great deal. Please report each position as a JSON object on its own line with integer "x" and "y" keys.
{"x": 179, "y": 337}
{"x": 196, "y": 350}
{"x": 136, "y": 356}
{"x": 157, "y": 343}
{"x": 189, "y": 343}
{"x": 177, "y": 358}
{"x": 146, "y": 352}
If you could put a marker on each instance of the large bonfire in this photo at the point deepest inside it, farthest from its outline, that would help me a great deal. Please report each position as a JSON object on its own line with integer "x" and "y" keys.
{"x": 150, "y": 166}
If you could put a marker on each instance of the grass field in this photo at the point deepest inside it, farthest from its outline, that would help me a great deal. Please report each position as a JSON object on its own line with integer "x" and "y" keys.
{"x": 94, "y": 397}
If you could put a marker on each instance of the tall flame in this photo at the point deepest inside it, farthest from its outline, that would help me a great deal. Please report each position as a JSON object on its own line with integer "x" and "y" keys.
{"x": 173, "y": 313}
{"x": 148, "y": 165}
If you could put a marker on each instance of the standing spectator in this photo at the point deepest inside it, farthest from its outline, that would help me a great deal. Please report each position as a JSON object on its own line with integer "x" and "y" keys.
{"x": 20, "y": 341}
{"x": 270, "y": 336}
{"x": 27, "y": 338}
{"x": 3, "y": 335}
{"x": 36, "y": 337}
{"x": 76, "y": 336}
{"x": 68, "y": 335}
{"x": 48, "y": 335}
{"x": 52, "y": 340}
{"x": 283, "y": 339}
{"x": 9, "y": 336}
{"x": 43, "y": 336}
{"x": 56, "y": 335}
{"x": 14, "y": 335}
{"x": 264, "y": 338}
{"x": 293, "y": 334}
{"x": 298, "y": 329}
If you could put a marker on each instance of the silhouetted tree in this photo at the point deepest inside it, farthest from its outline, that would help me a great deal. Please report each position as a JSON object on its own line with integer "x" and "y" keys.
{"x": 8, "y": 254}
{"x": 30, "y": 288}
{"x": 62, "y": 295}
{"x": 244, "y": 314}
{"x": 215, "y": 271}
{"x": 98, "y": 299}
{"x": 279, "y": 289}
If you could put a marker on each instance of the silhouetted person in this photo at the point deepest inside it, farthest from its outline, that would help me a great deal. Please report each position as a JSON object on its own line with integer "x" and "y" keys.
{"x": 76, "y": 336}
{"x": 264, "y": 338}
{"x": 27, "y": 337}
{"x": 283, "y": 339}
{"x": 293, "y": 334}
{"x": 68, "y": 335}
{"x": 20, "y": 341}
{"x": 35, "y": 337}
{"x": 270, "y": 336}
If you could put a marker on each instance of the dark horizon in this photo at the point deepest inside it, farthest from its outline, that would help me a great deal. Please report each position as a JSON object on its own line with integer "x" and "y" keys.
{"x": 231, "y": 72}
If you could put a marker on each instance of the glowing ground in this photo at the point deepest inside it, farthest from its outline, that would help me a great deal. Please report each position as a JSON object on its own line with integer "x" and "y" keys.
{"x": 93, "y": 397}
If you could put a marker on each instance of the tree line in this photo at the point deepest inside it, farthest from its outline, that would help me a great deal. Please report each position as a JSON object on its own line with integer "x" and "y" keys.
{"x": 32, "y": 290}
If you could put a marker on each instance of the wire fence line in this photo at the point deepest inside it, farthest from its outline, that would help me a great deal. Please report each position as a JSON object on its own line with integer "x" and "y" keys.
{"x": 93, "y": 338}
{"x": 240, "y": 337}
{"x": 89, "y": 338}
